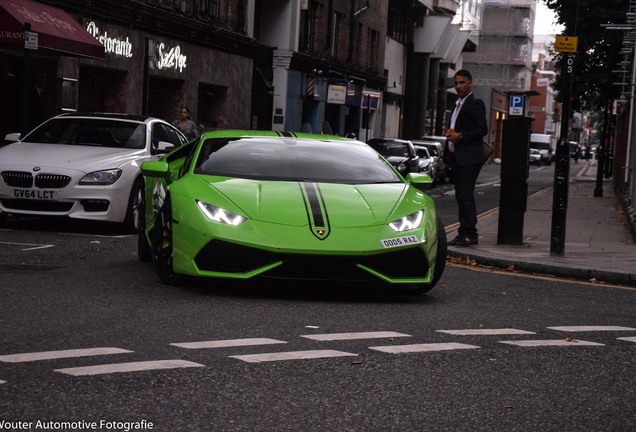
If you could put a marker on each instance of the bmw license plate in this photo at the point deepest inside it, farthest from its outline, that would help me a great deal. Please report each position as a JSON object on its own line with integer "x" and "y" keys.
{"x": 37, "y": 194}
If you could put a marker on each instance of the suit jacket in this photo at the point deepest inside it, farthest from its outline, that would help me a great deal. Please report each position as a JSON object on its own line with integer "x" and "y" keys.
{"x": 471, "y": 123}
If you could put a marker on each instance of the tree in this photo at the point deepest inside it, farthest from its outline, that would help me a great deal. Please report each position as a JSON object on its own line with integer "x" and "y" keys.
{"x": 598, "y": 49}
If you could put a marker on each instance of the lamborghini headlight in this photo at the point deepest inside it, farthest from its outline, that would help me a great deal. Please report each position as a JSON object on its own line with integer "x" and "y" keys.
{"x": 217, "y": 214}
{"x": 408, "y": 222}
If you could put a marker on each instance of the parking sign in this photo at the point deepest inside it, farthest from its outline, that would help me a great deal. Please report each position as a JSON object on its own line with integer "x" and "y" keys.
{"x": 517, "y": 104}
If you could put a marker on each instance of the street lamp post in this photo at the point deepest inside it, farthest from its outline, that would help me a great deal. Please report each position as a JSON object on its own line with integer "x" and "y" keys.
{"x": 562, "y": 160}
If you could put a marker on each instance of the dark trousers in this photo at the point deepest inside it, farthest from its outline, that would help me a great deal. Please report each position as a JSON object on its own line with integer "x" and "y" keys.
{"x": 465, "y": 178}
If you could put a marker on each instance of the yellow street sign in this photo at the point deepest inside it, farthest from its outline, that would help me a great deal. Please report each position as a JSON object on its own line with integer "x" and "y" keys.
{"x": 566, "y": 43}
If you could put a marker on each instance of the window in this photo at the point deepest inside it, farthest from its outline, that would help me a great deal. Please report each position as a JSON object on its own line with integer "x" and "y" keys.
{"x": 209, "y": 8}
{"x": 309, "y": 27}
{"x": 335, "y": 32}
{"x": 372, "y": 49}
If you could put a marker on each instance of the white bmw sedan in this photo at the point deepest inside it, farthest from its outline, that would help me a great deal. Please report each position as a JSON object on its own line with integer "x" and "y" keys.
{"x": 83, "y": 166}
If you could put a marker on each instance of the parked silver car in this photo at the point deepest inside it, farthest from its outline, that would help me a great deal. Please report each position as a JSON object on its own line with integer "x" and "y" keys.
{"x": 428, "y": 163}
{"x": 436, "y": 151}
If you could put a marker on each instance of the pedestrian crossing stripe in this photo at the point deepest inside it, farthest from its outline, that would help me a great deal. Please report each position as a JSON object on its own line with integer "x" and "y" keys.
{"x": 591, "y": 328}
{"x": 486, "y": 332}
{"x": 355, "y": 336}
{"x": 227, "y": 343}
{"x": 413, "y": 348}
{"x": 551, "y": 342}
{"x": 52, "y": 355}
{"x": 628, "y": 339}
{"x": 292, "y": 355}
{"x": 128, "y": 367}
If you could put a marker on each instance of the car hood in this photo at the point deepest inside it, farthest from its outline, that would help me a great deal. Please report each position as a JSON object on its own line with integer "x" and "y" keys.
{"x": 291, "y": 203}
{"x": 59, "y": 156}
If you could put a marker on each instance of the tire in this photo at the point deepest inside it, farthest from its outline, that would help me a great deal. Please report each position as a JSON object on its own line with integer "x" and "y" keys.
{"x": 161, "y": 245}
{"x": 144, "y": 252}
{"x": 440, "y": 259}
{"x": 135, "y": 206}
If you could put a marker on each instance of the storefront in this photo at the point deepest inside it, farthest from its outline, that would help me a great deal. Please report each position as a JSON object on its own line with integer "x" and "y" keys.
{"x": 102, "y": 66}
{"x": 34, "y": 38}
{"x": 153, "y": 75}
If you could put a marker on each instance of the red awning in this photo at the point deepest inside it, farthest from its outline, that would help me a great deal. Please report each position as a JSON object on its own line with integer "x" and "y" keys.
{"x": 57, "y": 30}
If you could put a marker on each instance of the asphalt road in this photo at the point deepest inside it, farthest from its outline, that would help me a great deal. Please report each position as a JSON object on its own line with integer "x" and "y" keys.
{"x": 91, "y": 340}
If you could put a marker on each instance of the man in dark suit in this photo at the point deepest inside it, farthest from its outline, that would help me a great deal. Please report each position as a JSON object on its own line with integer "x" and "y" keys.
{"x": 464, "y": 152}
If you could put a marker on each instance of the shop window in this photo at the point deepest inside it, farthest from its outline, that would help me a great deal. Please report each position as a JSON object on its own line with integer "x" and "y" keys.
{"x": 68, "y": 94}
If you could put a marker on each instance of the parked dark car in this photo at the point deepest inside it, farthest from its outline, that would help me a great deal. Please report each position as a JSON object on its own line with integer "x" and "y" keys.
{"x": 400, "y": 153}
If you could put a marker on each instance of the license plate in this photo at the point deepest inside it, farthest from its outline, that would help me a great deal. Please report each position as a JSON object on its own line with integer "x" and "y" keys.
{"x": 400, "y": 241}
{"x": 38, "y": 194}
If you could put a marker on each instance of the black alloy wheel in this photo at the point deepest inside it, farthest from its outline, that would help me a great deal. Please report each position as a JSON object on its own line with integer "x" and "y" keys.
{"x": 144, "y": 252}
{"x": 161, "y": 244}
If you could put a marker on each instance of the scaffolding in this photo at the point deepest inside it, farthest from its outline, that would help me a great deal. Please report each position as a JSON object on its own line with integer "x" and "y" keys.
{"x": 503, "y": 58}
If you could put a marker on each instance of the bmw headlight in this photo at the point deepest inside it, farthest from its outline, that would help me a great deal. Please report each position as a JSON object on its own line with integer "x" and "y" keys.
{"x": 408, "y": 222}
{"x": 217, "y": 214}
{"x": 101, "y": 178}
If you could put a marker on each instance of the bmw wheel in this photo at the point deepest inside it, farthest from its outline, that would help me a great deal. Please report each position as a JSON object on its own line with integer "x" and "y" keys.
{"x": 161, "y": 244}
{"x": 135, "y": 205}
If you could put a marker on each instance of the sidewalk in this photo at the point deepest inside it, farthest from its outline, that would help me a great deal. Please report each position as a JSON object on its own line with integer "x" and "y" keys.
{"x": 598, "y": 243}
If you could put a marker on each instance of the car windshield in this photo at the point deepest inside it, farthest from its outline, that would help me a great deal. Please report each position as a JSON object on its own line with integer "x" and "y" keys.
{"x": 90, "y": 132}
{"x": 269, "y": 158}
{"x": 390, "y": 148}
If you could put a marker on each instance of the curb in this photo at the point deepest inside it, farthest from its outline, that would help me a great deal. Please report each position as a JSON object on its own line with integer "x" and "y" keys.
{"x": 534, "y": 267}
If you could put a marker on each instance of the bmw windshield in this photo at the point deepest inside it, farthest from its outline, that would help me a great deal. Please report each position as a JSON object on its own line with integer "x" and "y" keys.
{"x": 286, "y": 159}
{"x": 90, "y": 132}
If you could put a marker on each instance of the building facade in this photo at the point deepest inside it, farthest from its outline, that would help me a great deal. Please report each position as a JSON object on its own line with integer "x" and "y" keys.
{"x": 157, "y": 55}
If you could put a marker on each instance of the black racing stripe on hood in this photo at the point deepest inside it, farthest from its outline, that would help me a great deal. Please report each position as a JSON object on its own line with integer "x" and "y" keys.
{"x": 314, "y": 204}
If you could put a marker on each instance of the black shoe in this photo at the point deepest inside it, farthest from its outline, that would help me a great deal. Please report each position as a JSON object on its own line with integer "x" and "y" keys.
{"x": 463, "y": 241}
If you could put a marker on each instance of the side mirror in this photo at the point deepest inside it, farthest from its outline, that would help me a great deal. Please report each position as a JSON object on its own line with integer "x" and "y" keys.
{"x": 164, "y": 147}
{"x": 155, "y": 168}
{"x": 12, "y": 137}
{"x": 420, "y": 181}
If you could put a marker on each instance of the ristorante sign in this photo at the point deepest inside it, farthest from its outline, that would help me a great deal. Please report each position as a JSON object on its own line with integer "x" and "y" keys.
{"x": 112, "y": 45}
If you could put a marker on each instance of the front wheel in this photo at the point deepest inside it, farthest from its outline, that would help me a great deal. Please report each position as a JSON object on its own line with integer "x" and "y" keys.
{"x": 440, "y": 258}
{"x": 162, "y": 246}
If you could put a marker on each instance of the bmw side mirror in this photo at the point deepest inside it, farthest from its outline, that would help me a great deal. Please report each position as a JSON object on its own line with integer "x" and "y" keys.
{"x": 164, "y": 147}
{"x": 12, "y": 137}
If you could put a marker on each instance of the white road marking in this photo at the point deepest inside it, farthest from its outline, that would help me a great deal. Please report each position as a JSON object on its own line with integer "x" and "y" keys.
{"x": 292, "y": 355}
{"x": 551, "y": 342}
{"x": 486, "y": 332}
{"x": 227, "y": 343}
{"x": 354, "y": 336}
{"x": 396, "y": 349}
{"x": 35, "y": 245}
{"x": 128, "y": 367}
{"x": 590, "y": 328}
{"x": 628, "y": 339}
{"x": 2, "y": 382}
{"x": 52, "y": 355}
